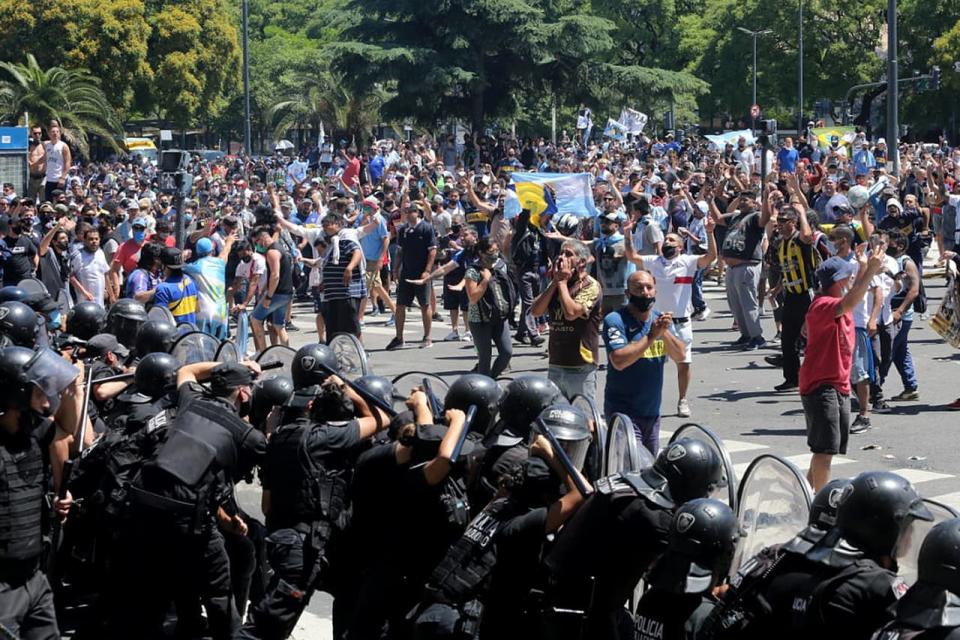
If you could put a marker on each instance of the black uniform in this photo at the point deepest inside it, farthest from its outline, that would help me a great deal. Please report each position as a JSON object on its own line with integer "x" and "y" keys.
{"x": 26, "y": 601}
{"x": 307, "y": 471}
{"x": 605, "y": 549}
{"x": 174, "y": 503}
{"x": 669, "y": 616}
{"x": 926, "y": 612}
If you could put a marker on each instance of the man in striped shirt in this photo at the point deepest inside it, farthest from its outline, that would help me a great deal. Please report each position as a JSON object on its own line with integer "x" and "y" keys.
{"x": 177, "y": 292}
{"x": 343, "y": 283}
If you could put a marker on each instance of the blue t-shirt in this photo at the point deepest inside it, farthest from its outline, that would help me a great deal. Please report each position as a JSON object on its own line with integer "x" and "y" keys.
{"x": 788, "y": 159}
{"x": 372, "y": 243}
{"x": 376, "y": 167}
{"x": 636, "y": 390}
{"x": 178, "y": 293}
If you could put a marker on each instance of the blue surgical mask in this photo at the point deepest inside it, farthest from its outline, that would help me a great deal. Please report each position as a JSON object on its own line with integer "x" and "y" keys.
{"x": 53, "y": 320}
{"x": 138, "y": 236}
{"x": 187, "y": 218}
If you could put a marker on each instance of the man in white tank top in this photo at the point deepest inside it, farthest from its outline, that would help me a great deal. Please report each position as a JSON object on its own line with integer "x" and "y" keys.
{"x": 59, "y": 160}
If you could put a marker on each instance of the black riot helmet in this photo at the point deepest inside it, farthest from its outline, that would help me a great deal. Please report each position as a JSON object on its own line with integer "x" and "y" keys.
{"x": 876, "y": 509}
{"x": 523, "y": 400}
{"x": 478, "y": 390}
{"x": 21, "y": 369}
{"x": 939, "y": 560}
{"x": 690, "y": 468}
{"x": 701, "y": 543}
{"x": 155, "y": 336}
{"x": 14, "y": 293}
{"x": 156, "y": 376}
{"x": 823, "y": 516}
{"x": 13, "y": 378}
{"x": 306, "y": 369}
{"x": 125, "y": 319}
{"x": 19, "y": 323}
{"x": 377, "y": 386}
{"x": 267, "y": 394}
{"x": 86, "y": 320}
{"x": 572, "y": 429}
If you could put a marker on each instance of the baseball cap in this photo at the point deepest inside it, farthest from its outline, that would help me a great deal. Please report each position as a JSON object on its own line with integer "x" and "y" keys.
{"x": 843, "y": 209}
{"x": 41, "y": 302}
{"x": 46, "y": 207}
{"x": 612, "y": 216}
{"x": 172, "y": 257}
{"x": 894, "y": 202}
{"x": 62, "y": 209}
{"x": 227, "y": 376}
{"x": 204, "y": 247}
{"x": 139, "y": 222}
{"x": 371, "y": 203}
{"x": 104, "y": 343}
{"x": 832, "y": 270}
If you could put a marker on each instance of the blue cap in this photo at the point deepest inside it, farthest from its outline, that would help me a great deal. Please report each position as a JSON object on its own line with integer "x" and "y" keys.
{"x": 204, "y": 247}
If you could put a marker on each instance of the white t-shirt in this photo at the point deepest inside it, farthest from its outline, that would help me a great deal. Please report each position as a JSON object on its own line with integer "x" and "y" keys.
{"x": 888, "y": 286}
{"x": 55, "y": 160}
{"x": 674, "y": 283}
{"x": 91, "y": 269}
{"x": 254, "y": 271}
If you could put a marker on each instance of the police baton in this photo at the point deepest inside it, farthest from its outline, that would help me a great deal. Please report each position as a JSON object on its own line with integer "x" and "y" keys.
{"x": 82, "y": 427}
{"x": 360, "y": 391}
{"x": 56, "y": 534}
{"x": 435, "y": 406}
{"x": 471, "y": 414}
{"x": 562, "y": 456}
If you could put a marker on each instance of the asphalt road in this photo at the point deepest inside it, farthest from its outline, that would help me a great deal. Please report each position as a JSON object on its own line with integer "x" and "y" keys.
{"x": 732, "y": 393}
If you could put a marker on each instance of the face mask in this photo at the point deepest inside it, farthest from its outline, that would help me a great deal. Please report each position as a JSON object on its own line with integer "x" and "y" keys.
{"x": 138, "y": 236}
{"x": 642, "y": 303}
{"x": 261, "y": 249}
{"x": 668, "y": 251}
{"x": 53, "y": 322}
{"x": 63, "y": 246}
{"x": 26, "y": 227}
{"x": 187, "y": 218}
{"x": 247, "y": 258}
{"x": 892, "y": 252}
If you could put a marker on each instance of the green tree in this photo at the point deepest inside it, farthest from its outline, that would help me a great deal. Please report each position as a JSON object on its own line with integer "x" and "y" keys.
{"x": 73, "y": 97}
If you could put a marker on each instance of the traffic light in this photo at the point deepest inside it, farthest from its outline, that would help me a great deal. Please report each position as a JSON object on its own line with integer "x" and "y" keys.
{"x": 935, "y": 78}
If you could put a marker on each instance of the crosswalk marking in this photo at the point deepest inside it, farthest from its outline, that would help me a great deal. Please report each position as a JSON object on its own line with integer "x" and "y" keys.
{"x": 916, "y": 476}
{"x": 801, "y": 461}
{"x": 313, "y": 627}
{"x": 949, "y": 499}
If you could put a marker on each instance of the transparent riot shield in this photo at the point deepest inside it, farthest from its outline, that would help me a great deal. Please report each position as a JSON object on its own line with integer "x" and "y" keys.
{"x": 160, "y": 314}
{"x": 624, "y": 452}
{"x": 228, "y": 352}
{"x": 33, "y": 286}
{"x": 909, "y": 547}
{"x": 195, "y": 346}
{"x": 404, "y": 383}
{"x": 693, "y": 430}
{"x": 276, "y": 353}
{"x": 186, "y": 327}
{"x": 595, "y": 466}
{"x": 351, "y": 357}
{"x": 773, "y": 505}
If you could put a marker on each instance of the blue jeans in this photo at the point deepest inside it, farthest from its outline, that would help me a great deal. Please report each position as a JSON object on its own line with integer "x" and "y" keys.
{"x": 699, "y": 304}
{"x": 902, "y": 358}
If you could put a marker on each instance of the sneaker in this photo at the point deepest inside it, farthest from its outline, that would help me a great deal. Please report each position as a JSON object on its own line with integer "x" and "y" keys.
{"x": 292, "y": 327}
{"x": 881, "y": 406}
{"x": 683, "y": 408}
{"x": 955, "y": 405}
{"x": 362, "y": 324}
{"x": 466, "y": 337}
{"x": 775, "y": 342}
{"x": 860, "y": 424}
{"x": 754, "y": 344}
{"x": 786, "y": 385}
{"x": 739, "y": 342}
{"x": 776, "y": 361}
{"x": 396, "y": 343}
{"x": 521, "y": 339}
{"x": 392, "y": 320}
{"x": 453, "y": 336}
{"x": 426, "y": 343}
{"x": 437, "y": 317}
{"x": 536, "y": 341}
{"x": 373, "y": 313}
{"x": 701, "y": 315}
{"x": 906, "y": 394}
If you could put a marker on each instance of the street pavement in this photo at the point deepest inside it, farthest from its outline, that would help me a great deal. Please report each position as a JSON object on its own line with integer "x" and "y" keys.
{"x": 731, "y": 392}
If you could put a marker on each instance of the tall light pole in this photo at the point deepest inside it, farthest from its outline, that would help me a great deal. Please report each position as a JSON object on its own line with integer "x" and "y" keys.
{"x": 755, "y": 35}
{"x": 246, "y": 80}
{"x": 800, "y": 69}
{"x": 893, "y": 88}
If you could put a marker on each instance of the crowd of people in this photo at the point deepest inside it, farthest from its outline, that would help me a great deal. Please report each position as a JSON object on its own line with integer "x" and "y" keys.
{"x": 829, "y": 239}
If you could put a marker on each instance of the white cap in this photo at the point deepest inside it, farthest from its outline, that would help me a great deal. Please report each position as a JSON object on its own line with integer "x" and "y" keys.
{"x": 881, "y": 141}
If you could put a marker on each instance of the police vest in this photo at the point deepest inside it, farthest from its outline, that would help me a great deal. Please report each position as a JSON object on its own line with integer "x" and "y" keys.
{"x": 798, "y": 262}
{"x": 465, "y": 571}
{"x": 301, "y": 490}
{"x": 22, "y": 486}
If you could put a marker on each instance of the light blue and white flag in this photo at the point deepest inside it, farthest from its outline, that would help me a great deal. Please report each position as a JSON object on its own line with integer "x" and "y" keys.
{"x": 571, "y": 194}
{"x": 731, "y": 136}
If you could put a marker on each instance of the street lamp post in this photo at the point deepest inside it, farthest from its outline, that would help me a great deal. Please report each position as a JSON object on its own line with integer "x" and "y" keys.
{"x": 246, "y": 79}
{"x": 754, "y": 35}
{"x": 800, "y": 69}
{"x": 893, "y": 89}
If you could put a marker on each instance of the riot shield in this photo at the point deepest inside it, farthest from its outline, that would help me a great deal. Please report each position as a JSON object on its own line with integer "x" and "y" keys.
{"x": 195, "y": 346}
{"x": 228, "y": 352}
{"x": 276, "y": 353}
{"x": 33, "y": 286}
{"x": 351, "y": 357}
{"x": 160, "y": 314}
{"x": 773, "y": 505}
{"x": 595, "y": 466}
{"x": 405, "y": 382}
{"x": 186, "y": 327}
{"x": 909, "y": 548}
{"x": 624, "y": 452}
{"x": 694, "y": 430}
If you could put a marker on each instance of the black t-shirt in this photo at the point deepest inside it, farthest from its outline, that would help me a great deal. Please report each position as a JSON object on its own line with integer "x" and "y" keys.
{"x": 670, "y": 616}
{"x": 743, "y": 238}
{"x": 16, "y": 257}
{"x": 285, "y": 285}
{"x": 376, "y": 498}
{"x": 415, "y": 242}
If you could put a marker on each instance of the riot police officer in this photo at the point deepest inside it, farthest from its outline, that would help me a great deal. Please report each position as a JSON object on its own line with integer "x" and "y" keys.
{"x": 18, "y": 323}
{"x": 33, "y": 383}
{"x": 124, "y": 320}
{"x": 701, "y": 543}
{"x": 86, "y": 320}
{"x": 488, "y": 572}
{"x": 602, "y": 553}
{"x": 155, "y": 336}
{"x": 480, "y": 391}
{"x": 305, "y": 480}
{"x": 154, "y": 382}
{"x": 930, "y": 609}
{"x": 176, "y": 502}
{"x": 848, "y": 580}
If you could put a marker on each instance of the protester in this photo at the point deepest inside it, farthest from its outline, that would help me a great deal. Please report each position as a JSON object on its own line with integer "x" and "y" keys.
{"x": 417, "y": 243}
{"x": 491, "y": 306}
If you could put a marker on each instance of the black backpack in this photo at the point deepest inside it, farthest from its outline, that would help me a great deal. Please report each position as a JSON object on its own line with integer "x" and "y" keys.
{"x": 488, "y": 305}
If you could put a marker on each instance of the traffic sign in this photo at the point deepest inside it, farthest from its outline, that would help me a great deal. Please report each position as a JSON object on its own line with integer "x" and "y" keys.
{"x": 755, "y": 111}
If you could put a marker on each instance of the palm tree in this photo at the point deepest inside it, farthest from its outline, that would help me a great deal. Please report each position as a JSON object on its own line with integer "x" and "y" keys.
{"x": 72, "y": 96}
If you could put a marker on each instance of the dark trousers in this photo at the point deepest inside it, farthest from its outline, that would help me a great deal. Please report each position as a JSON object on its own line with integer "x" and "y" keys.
{"x": 487, "y": 334}
{"x": 275, "y": 616}
{"x": 882, "y": 345}
{"x": 26, "y": 606}
{"x": 342, "y": 316}
{"x": 528, "y": 288}
{"x": 795, "y": 307}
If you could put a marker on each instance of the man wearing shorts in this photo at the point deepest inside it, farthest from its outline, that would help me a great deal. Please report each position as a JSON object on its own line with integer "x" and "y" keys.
{"x": 675, "y": 273}
{"x": 417, "y": 244}
{"x": 279, "y": 289}
{"x": 375, "y": 243}
{"x": 825, "y": 372}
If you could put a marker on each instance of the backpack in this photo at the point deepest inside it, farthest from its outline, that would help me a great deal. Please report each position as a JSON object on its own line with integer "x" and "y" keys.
{"x": 508, "y": 288}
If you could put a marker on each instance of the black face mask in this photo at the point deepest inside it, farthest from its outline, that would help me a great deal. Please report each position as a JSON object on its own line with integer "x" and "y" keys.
{"x": 668, "y": 251}
{"x": 892, "y": 252}
{"x": 247, "y": 258}
{"x": 642, "y": 303}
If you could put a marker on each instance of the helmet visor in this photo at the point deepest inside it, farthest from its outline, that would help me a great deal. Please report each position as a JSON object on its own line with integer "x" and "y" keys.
{"x": 50, "y": 373}
{"x": 576, "y": 450}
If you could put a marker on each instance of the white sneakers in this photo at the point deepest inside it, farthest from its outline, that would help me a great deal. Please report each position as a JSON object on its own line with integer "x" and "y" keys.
{"x": 683, "y": 408}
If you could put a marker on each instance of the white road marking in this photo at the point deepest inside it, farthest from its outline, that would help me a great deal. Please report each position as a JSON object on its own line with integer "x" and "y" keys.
{"x": 313, "y": 627}
{"x": 949, "y": 499}
{"x": 916, "y": 476}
